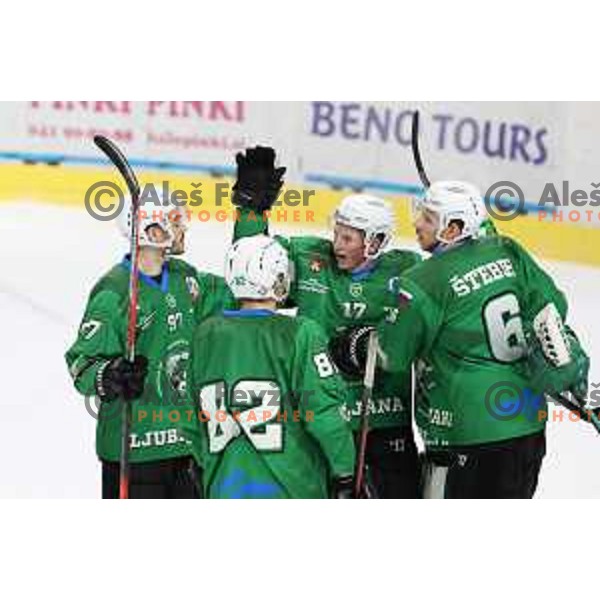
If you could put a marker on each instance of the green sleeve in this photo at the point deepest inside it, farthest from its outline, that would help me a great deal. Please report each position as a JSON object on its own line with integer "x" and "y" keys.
{"x": 539, "y": 287}
{"x": 101, "y": 337}
{"x": 249, "y": 223}
{"x": 215, "y": 296}
{"x": 413, "y": 332}
{"x": 322, "y": 390}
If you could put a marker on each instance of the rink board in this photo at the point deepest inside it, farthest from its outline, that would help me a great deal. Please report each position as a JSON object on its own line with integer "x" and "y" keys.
{"x": 309, "y": 208}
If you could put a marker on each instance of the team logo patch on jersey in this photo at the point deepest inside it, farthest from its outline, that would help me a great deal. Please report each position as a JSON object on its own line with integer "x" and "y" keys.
{"x": 176, "y": 374}
{"x": 171, "y": 301}
{"x": 356, "y": 290}
{"x": 316, "y": 265}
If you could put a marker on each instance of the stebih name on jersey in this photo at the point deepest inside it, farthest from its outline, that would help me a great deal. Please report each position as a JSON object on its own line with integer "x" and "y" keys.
{"x": 482, "y": 276}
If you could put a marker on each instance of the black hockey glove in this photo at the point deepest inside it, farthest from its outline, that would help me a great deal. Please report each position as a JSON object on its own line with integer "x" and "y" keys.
{"x": 349, "y": 350}
{"x": 258, "y": 181}
{"x": 120, "y": 378}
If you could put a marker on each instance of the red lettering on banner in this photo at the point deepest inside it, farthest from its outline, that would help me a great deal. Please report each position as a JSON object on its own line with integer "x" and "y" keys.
{"x": 211, "y": 110}
{"x": 122, "y": 107}
{"x": 216, "y": 110}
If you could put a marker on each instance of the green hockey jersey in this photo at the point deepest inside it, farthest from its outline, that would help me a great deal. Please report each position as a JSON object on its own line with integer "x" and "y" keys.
{"x": 465, "y": 314}
{"x": 168, "y": 311}
{"x": 268, "y": 422}
{"x": 338, "y": 299}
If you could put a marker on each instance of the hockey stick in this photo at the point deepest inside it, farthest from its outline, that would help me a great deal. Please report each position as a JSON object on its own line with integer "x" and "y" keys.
{"x": 369, "y": 379}
{"x": 120, "y": 162}
{"x": 570, "y": 405}
{"x": 416, "y": 150}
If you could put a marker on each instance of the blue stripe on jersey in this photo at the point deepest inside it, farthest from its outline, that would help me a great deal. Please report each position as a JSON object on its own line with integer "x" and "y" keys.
{"x": 364, "y": 272}
{"x": 256, "y": 489}
{"x": 249, "y": 312}
{"x": 237, "y": 486}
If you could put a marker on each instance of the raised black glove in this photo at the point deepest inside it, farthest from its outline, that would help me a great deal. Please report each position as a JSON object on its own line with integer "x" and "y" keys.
{"x": 258, "y": 181}
{"x": 120, "y": 378}
{"x": 349, "y": 350}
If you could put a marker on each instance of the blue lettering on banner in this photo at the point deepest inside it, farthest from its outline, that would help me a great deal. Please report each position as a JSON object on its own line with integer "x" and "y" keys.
{"x": 355, "y": 121}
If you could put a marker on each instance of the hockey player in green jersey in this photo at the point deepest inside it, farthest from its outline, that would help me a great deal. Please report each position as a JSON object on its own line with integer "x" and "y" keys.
{"x": 473, "y": 316}
{"x": 268, "y": 422}
{"x": 342, "y": 283}
{"x": 173, "y": 298}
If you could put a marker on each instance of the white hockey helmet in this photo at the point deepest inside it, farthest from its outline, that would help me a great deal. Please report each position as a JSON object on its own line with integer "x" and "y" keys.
{"x": 368, "y": 214}
{"x": 258, "y": 268}
{"x": 455, "y": 201}
{"x": 162, "y": 213}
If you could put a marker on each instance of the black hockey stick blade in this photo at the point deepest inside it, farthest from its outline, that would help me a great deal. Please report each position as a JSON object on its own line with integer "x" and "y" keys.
{"x": 416, "y": 150}
{"x": 118, "y": 159}
{"x": 563, "y": 400}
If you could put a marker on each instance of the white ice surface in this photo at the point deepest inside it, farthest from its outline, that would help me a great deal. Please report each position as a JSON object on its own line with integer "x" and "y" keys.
{"x": 52, "y": 257}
